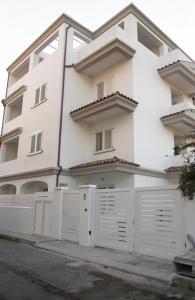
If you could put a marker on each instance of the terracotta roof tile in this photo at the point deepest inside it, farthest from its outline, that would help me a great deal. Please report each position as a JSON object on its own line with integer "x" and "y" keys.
{"x": 166, "y": 66}
{"x": 114, "y": 160}
{"x": 103, "y": 99}
{"x": 178, "y": 113}
{"x": 174, "y": 169}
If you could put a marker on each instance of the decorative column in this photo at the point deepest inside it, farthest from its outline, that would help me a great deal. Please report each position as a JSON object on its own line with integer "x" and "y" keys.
{"x": 86, "y": 214}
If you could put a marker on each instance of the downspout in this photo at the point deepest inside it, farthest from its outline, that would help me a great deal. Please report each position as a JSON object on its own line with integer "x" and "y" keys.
{"x": 4, "y": 105}
{"x": 61, "y": 109}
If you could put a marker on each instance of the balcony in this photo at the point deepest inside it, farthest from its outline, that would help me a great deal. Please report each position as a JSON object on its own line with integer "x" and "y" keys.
{"x": 106, "y": 51}
{"x": 180, "y": 74}
{"x": 103, "y": 108}
{"x": 181, "y": 118}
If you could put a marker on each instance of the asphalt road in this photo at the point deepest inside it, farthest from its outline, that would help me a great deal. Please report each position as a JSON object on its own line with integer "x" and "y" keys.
{"x": 29, "y": 273}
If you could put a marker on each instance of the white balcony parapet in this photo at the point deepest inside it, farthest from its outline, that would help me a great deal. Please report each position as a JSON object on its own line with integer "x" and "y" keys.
{"x": 180, "y": 107}
{"x": 102, "y": 53}
{"x": 171, "y": 57}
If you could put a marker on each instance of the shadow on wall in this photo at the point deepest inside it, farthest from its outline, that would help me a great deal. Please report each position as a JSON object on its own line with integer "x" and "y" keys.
{"x": 33, "y": 187}
{"x": 8, "y": 189}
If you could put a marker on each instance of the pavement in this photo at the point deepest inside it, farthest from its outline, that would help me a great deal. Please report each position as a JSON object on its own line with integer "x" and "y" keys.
{"x": 29, "y": 273}
{"x": 147, "y": 267}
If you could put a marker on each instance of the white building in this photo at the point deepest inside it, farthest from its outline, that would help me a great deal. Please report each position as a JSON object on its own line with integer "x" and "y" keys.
{"x": 105, "y": 107}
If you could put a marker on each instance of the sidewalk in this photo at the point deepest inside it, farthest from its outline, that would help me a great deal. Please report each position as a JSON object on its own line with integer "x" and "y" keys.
{"x": 139, "y": 265}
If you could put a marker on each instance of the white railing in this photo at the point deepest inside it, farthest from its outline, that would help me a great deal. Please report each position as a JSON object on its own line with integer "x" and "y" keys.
{"x": 180, "y": 107}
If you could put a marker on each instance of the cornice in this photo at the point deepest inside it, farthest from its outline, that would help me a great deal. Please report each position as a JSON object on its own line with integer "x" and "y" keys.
{"x": 15, "y": 94}
{"x": 10, "y": 134}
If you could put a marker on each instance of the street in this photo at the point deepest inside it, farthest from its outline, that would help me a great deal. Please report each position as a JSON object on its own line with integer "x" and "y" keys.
{"x": 29, "y": 273}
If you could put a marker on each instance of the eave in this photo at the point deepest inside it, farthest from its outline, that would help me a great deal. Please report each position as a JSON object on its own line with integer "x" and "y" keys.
{"x": 180, "y": 74}
{"x": 10, "y": 134}
{"x": 182, "y": 122}
{"x": 104, "y": 107}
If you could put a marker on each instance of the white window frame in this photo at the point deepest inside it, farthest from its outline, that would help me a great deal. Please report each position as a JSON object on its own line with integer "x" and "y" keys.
{"x": 36, "y": 135}
{"x": 40, "y": 92}
{"x": 103, "y": 141}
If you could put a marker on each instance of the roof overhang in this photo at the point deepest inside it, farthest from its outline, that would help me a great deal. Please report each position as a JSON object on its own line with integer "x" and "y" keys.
{"x": 107, "y": 106}
{"x": 10, "y": 134}
{"x": 114, "y": 165}
{"x": 181, "y": 122}
{"x": 180, "y": 74}
{"x": 105, "y": 57}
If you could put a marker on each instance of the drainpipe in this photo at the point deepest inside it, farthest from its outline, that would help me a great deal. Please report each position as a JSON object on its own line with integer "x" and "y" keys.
{"x": 4, "y": 105}
{"x": 61, "y": 109}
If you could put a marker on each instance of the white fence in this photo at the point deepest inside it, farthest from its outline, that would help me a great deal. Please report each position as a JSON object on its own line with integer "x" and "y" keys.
{"x": 17, "y": 213}
{"x": 152, "y": 221}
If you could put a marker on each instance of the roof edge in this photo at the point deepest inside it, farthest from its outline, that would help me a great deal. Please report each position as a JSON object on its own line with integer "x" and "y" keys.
{"x": 64, "y": 18}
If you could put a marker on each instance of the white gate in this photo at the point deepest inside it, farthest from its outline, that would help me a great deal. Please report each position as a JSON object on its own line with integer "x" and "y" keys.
{"x": 71, "y": 215}
{"x": 43, "y": 210}
{"x": 114, "y": 219}
{"x": 159, "y": 222}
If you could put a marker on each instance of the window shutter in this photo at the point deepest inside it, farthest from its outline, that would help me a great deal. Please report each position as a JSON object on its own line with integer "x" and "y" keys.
{"x": 39, "y": 138}
{"x": 37, "y": 93}
{"x": 32, "y": 146}
{"x": 109, "y": 85}
{"x": 98, "y": 141}
{"x": 100, "y": 90}
{"x": 43, "y": 92}
{"x": 108, "y": 139}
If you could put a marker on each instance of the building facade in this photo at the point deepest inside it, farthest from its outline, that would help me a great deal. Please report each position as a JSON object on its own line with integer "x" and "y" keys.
{"x": 108, "y": 107}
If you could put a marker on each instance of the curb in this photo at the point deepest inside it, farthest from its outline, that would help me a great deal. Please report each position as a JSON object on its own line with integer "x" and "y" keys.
{"x": 17, "y": 239}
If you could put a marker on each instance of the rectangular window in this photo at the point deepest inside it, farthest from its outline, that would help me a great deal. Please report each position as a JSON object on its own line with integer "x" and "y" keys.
{"x": 108, "y": 139}
{"x": 100, "y": 90}
{"x": 10, "y": 150}
{"x": 99, "y": 141}
{"x": 40, "y": 94}
{"x": 36, "y": 143}
{"x": 104, "y": 140}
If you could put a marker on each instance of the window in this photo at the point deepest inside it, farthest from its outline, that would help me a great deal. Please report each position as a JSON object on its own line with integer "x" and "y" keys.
{"x": 36, "y": 143}
{"x": 179, "y": 141}
{"x": 14, "y": 109}
{"x": 176, "y": 97}
{"x": 149, "y": 40}
{"x": 79, "y": 41}
{"x": 100, "y": 90}
{"x": 193, "y": 100}
{"x": 10, "y": 150}
{"x": 40, "y": 94}
{"x": 122, "y": 25}
{"x": 47, "y": 49}
{"x": 103, "y": 140}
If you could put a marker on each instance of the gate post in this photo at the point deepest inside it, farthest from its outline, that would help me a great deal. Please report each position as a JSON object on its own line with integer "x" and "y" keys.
{"x": 57, "y": 211}
{"x": 86, "y": 214}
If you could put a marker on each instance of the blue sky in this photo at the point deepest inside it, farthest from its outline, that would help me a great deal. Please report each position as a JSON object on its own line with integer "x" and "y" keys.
{"x": 21, "y": 21}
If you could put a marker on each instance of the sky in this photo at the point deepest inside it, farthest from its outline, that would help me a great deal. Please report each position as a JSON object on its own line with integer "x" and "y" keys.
{"x": 22, "y": 21}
